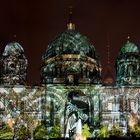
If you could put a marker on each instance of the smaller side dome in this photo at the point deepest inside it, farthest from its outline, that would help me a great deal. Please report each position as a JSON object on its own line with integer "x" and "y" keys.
{"x": 13, "y": 48}
{"x": 127, "y": 65}
{"x": 129, "y": 47}
{"x": 13, "y": 65}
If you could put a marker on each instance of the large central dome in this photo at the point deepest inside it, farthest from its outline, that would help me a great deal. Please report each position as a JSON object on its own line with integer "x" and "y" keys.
{"x": 70, "y": 42}
{"x": 70, "y": 59}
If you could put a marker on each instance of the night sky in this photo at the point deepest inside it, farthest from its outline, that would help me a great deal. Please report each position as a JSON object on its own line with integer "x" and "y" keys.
{"x": 36, "y": 23}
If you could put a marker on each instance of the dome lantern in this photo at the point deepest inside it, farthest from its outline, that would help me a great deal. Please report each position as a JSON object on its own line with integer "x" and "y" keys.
{"x": 70, "y": 24}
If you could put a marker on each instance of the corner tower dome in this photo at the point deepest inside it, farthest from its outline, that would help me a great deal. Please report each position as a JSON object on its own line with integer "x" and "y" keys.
{"x": 70, "y": 59}
{"x": 13, "y": 48}
{"x": 13, "y": 65}
{"x": 129, "y": 47}
{"x": 128, "y": 65}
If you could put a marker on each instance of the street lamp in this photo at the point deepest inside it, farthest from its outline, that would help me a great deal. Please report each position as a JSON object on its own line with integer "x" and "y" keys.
{"x": 139, "y": 103}
{"x": 100, "y": 109}
{"x": 127, "y": 109}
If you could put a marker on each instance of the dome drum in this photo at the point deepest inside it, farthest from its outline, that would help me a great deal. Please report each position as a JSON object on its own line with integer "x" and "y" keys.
{"x": 67, "y": 66}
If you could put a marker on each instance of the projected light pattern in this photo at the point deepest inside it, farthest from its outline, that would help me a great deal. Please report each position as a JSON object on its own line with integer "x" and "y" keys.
{"x": 70, "y": 87}
{"x": 13, "y": 65}
{"x": 26, "y": 104}
{"x": 70, "y": 42}
{"x": 128, "y": 65}
{"x": 103, "y": 105}
{"x": 70, "y": 59}
{"x": 16, "y": 106}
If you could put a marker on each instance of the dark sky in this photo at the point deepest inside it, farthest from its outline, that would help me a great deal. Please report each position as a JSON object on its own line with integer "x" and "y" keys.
{"x": 37, "y": 22}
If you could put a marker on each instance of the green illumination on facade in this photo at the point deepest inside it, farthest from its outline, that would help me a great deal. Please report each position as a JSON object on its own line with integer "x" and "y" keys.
{"x": 13, "y": 65}
{"x": 70, "y": 59}
{"x": 70, "y": 42}
{"x": 128, "y": 65}
{"x": 129, "y": 47}
{"x": 71, "y": 87}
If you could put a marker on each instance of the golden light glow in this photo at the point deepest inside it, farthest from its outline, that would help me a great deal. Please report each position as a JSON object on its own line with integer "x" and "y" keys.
{"x": 35, "y": 123}
{"x": 71, "y": 26}
{"x": 133, "y": 120}
{"x": 10, "y": 122}
{"x": 80, "y": 137}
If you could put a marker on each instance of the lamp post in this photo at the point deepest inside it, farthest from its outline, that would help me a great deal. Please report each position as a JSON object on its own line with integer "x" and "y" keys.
{"x": 139, "y": 103}
{"x": 100, "y": 110}
{"x": 128, "y": 108}
{"x": 121, "y": 108}
{"x": 115, "y": 109}
{"x": 15, "y": 128}
{"x": 91, "y": 108}
{"x": 139, "y": 108}
{"x": 43, "y": 105}
{"x": 127, "y": 112}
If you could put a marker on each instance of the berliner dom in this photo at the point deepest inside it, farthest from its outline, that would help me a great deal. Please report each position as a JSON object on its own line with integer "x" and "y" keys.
{"x": 72, "y": 92}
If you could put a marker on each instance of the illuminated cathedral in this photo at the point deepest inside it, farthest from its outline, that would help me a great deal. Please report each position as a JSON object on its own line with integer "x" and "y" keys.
{"x": 71, "y": 86}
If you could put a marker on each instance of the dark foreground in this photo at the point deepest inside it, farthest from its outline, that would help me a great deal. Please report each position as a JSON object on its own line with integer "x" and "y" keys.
{"x": 111, "y": 138}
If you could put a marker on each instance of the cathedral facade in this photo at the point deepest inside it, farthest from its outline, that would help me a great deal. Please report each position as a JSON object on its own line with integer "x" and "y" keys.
{"x": 71, "y": 86}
